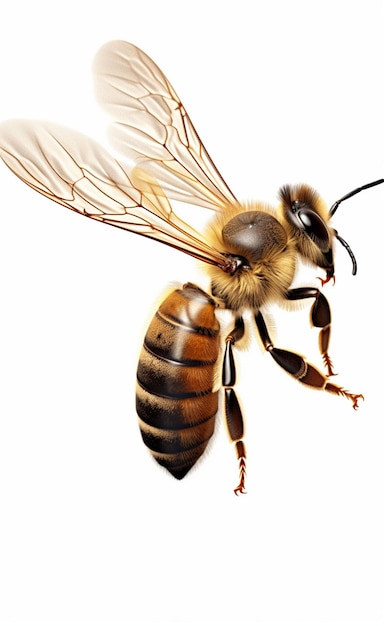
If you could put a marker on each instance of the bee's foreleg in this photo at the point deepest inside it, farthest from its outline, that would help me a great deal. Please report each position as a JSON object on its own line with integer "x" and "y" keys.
{"x": 296, "y": 365}
{"x": 320, "y": 318}
{"x": 233, "y": 415}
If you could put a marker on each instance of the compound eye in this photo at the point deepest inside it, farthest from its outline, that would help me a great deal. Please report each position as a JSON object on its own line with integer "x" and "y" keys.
{"x": 313, "y": 225}
{"x": 302, "y": 208}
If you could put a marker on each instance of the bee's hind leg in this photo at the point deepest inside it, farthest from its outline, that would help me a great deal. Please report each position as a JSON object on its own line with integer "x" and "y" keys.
{"x": 233, "y": 415}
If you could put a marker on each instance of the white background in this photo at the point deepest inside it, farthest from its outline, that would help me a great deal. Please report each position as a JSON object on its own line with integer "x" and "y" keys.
{"x": 92, "y": 532}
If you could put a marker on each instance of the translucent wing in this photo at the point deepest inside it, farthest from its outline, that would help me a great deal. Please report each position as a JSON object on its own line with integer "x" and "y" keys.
{"x": 77, "y": 172}
{"x": 152, "y": 127}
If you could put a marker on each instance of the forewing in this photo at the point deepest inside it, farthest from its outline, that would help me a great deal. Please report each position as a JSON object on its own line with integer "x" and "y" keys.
{"x": 152, "y": 127}
{"x": 75, "y": 171}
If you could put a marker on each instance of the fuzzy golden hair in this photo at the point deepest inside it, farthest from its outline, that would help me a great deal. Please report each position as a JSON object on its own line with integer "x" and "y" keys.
{"x": 266, "y": 280}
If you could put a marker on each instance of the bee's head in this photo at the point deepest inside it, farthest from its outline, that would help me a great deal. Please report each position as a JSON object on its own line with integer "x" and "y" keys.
{"x": 307, "y": 218}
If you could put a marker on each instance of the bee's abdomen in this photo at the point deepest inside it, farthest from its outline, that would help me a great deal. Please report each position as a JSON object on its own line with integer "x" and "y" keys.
{"x": 175, "y": 400}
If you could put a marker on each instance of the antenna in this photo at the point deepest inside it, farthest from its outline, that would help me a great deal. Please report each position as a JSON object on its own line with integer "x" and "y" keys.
{"x": 335, "y": 206}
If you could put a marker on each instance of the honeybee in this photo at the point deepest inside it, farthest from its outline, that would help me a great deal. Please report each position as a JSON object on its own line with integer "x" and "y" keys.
{"x": 251, "y": 251}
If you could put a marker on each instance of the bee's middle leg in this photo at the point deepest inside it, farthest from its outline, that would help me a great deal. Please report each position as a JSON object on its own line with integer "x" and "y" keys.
{"x": 298, "y": 367}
